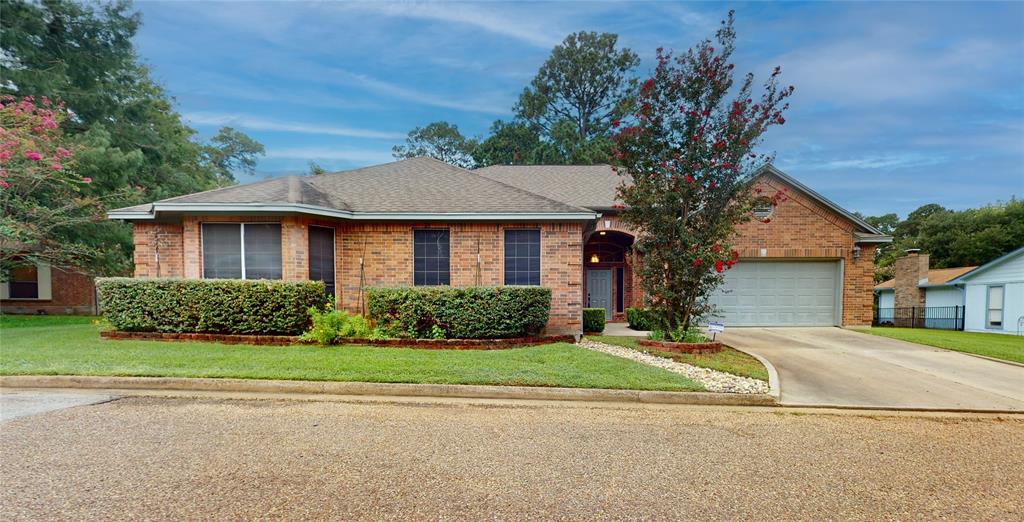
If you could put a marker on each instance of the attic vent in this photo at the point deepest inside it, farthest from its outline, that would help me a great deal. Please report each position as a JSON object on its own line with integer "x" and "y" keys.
{"x": 763, "y": 208}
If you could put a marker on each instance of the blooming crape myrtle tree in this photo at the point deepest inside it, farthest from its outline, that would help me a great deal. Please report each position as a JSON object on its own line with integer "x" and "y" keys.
{"x": 687, "y": 153}
{"x": 40, "y": 195}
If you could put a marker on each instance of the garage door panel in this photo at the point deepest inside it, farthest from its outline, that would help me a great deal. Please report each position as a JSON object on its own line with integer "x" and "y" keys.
{"x": 779, "y": 293}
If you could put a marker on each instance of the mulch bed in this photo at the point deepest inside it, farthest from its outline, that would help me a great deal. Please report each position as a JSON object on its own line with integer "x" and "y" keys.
{"x": 282, "y": 340}
{"x": 668, "y": 346}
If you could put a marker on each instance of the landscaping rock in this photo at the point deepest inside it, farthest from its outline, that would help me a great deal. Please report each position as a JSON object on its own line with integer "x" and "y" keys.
{"x": 713, "y": 381}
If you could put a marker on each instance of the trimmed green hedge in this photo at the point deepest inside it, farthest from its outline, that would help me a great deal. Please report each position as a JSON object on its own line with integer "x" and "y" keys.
{"x": 593, "y": 320}
{"x": 639, "y": 319}
{"x": 460, "y": 313}
{"x": 225, "y": 306}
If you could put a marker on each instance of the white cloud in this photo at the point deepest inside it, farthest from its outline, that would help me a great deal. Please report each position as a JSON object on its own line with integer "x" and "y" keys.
{"x": 257, "y": 123}
{"x": 892, "y": 161}
{"x": 519, "y": 25}
{"x": 360, "y": 156}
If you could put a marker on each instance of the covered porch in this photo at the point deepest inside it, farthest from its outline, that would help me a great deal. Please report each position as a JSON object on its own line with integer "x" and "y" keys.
{"x": 608, "y": 280}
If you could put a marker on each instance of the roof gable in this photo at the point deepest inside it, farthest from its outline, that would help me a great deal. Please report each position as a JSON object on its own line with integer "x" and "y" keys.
{"x": 1016, "y": 256}
{"x": 791, "y": 181}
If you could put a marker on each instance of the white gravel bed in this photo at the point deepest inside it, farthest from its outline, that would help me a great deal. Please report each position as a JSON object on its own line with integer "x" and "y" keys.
{"x": 713, "y": 380}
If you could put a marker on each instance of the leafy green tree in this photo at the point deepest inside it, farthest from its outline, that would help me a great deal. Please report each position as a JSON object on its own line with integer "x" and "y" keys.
{"x": 509, "y": 143}
{"x": 688, "y": 154}
{"x": 41, "y": 194}
{"x": 232, "y": 151}
{"x": 586, "y": 80}
{"x": 440, "y": 140}
{"x": 131, "y": 142}
{"x": 953, "y": 238}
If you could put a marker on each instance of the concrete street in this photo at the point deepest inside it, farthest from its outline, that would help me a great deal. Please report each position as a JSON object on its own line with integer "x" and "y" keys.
{"x": 171, "y": 458}
{"x": 832, "y": 366}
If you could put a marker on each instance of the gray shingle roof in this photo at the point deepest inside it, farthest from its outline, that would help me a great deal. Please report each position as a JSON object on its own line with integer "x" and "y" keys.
{"x": 415, "y": 185}
{"x": 590, "y": 186}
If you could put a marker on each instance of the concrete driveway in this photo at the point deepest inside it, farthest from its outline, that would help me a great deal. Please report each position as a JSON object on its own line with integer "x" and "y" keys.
{"x": 836, "y": 367}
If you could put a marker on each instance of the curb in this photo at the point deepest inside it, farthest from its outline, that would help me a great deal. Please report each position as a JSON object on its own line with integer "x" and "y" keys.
{"x": 775, "y": 389}
{"x": 385, "y": 389}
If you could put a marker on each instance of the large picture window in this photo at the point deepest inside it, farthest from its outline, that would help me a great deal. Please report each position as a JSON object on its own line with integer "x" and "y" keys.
{"x": 994, "y": 315}
{"x": 522, "y": 257}
{"x": 431, "y": 257}
{"x": 321, "y": 256}
{"x": 242, "y": 250}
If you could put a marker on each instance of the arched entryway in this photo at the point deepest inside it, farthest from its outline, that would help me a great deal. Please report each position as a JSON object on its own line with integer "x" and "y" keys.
{"x": 608, "y": 275}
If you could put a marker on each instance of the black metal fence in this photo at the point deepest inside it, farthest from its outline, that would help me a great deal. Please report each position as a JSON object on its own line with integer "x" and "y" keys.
{"x": 938, "y": 317}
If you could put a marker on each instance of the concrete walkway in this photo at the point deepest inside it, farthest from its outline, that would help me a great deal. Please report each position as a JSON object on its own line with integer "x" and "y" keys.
{"x": 836, "y": 367}
{"x": 622, "y": 330}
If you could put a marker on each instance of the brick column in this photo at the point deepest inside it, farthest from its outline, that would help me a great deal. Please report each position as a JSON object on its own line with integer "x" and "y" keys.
{"x": 294, "y": 249}
{"x": 910, "y": 271}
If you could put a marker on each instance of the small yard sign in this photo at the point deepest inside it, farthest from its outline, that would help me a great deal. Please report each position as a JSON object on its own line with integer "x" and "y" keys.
{"x": 715, "y": 329}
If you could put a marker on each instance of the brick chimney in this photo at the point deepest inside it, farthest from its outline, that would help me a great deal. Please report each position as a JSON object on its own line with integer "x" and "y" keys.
{"x": 910, "y": 270}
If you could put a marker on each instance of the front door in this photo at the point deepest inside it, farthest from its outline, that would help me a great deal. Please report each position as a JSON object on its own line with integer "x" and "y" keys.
{"x": 599, "y": 290}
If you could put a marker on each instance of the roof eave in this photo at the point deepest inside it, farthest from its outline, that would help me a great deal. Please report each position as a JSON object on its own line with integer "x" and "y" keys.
{"x": 235, "y": 208}
{"x": 827, "y": 202}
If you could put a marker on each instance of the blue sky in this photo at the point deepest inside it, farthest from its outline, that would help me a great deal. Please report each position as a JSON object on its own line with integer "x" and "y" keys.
{"x": 897, "y": 104}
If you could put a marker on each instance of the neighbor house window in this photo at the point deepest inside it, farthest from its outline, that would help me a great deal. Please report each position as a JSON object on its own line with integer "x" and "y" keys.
{"x": 242, "y": 250}
{"x": 24, "y": 282}
{"x": 522, "y": 257}
{"x": 430, "y": 257}
{"x": 994, "y": 316}
{"x": 321, "y": 256}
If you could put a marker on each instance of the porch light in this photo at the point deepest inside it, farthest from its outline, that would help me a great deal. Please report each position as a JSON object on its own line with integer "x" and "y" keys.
{"x": 594, "y": 259}
{"x": 603, "y": 233}
{"x": 856, "y": 252}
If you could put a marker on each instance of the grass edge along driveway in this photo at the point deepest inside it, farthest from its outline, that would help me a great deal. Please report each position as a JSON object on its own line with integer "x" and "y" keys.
{"x": 76, "y": 349}
{"x": 729, "y": 360}
{"x": 998, "y": 346}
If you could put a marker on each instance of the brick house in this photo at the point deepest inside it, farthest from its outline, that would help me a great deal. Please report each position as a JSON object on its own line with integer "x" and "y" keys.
{"x": 43, "y": 289}
{"x": 423, "y": 222}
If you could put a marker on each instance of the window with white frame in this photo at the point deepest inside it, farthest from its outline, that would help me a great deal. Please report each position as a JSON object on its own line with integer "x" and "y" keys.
{"x": 994, "y": 308}
{"x": 763, "y": 208}
{"x": 241, "y": 250}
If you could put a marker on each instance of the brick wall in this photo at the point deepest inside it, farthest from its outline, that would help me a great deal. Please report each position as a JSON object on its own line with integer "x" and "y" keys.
{"x": 802, "y": 228}
{"x": 72, "y": 293}
{"x": 477, "y": 254}
{"x": 908, "y": 272}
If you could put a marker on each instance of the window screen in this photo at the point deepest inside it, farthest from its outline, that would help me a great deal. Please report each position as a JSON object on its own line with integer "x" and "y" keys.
{"x": 430, "y": 257}
{"x": 227, "y": 256}
{"x": 222, "y": 251}
{"x": 522, "y": 257}
{"x": 321, "y": 256}
{"x": 24, "y": 282}
{"x": 995, "y": 307}
{"x": 262, "y": 251}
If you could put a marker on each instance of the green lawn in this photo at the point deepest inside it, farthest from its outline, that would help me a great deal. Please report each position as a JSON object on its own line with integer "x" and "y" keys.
{"x": 45, "y": 346}
{"x": 1000, "y": 346}
{"x": 728, "y": 360}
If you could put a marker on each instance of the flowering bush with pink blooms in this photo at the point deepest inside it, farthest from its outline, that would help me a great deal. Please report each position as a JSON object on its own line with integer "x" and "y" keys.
{"x": 688, "y": 154}
{"x": 40, "y": 193}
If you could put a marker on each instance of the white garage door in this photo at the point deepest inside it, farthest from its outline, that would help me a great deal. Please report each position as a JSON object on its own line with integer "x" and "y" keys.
{"x": 779, "y": 293}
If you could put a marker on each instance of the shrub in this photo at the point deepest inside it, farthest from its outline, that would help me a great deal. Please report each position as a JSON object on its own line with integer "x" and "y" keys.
{"x": 460, "y": 313}
{"x": 329, "y": 325}
{"x": 639, "y": 319}
{"x": 593, "y": 320}
{"x": 679, "y": 335}
{"x": 225, "y": 306}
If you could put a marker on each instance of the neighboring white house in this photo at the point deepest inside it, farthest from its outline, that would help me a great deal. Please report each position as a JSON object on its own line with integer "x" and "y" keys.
{"x": 994, "y": 295}
{"x": 990, "y": 297}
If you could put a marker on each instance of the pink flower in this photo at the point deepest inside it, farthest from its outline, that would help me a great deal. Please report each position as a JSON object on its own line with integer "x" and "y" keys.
{"x": 34, "y": 156}
{"x": 697, "y": 262}
{"x": 4, "y": 184}
{"x": 56, "y": 166}
{"x": 86, "y": 180}
{"x": 64, "y": 153}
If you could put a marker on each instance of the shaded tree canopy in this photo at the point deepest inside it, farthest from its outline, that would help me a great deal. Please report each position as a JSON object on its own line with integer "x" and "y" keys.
{"x": 130, "y": 140}
{"x": 440, "y": 140}
{"x": 952, "y": 238}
